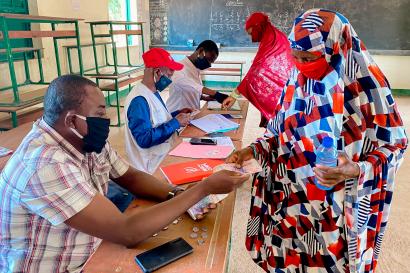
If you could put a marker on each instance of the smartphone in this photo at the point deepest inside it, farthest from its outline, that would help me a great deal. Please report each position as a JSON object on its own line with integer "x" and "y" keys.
{"x": 202, "y": 141}
{"x": 162, "y": 255}
{"x": 233, "y": 116}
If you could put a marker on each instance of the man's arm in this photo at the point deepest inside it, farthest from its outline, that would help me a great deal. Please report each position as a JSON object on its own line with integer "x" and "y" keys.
{"x": 143, "y": 184}
{"x": 138, "y": 115}
{"x": 103, "y": 220}
{"x": 218, "y": 96}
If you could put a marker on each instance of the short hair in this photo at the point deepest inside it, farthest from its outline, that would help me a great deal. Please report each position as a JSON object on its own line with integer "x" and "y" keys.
{"x": 64, "y": 93}
{"x": 208, "y": 46}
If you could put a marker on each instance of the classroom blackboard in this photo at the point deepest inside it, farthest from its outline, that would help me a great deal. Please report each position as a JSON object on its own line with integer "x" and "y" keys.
{"x": 381, "y": 24}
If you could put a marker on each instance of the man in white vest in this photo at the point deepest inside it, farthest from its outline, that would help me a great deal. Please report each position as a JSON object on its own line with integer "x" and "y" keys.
{"x": 151, "y": 128}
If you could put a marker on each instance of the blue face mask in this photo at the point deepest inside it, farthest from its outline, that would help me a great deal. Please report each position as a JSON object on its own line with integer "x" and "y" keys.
{"x": 202, "y": 63}
{"x": 162, "y": 83}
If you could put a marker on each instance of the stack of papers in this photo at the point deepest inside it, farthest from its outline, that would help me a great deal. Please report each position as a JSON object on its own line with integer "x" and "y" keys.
{"x": 214, "y": 123}
{"x": 214, "y": 105}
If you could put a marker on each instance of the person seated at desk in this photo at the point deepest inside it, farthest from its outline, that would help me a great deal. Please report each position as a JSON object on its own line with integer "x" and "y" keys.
{"x": 53, "y": 209}
{"x": 187, "y": 89}
{"x": 151, "y": 128}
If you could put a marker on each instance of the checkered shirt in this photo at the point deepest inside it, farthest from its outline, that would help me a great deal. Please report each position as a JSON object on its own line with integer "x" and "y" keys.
{"x": 44, "y": 183}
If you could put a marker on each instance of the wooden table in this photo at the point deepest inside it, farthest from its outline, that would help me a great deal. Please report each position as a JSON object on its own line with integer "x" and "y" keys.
{"x": 11, "y": 139}
{"x": 209, "y": 257}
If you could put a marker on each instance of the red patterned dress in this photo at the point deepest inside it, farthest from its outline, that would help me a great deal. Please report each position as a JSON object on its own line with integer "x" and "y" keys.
{"x": 294, "y": 226}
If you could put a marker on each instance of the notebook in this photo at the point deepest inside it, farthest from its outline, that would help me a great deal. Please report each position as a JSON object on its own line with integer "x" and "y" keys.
{"x": 191, "y": 171}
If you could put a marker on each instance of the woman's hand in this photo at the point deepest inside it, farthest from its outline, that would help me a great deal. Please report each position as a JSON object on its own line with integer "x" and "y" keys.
{"x": 330, "y": 176}
{"x": 240, "y": 156}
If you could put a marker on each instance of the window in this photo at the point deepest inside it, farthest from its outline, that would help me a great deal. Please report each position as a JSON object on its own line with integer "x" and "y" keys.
{"x": 20, "y": 7}
{"x": 123, "y": 10}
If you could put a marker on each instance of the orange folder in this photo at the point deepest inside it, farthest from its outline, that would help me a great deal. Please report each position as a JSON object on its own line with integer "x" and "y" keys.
{"x": 190, "y": 171}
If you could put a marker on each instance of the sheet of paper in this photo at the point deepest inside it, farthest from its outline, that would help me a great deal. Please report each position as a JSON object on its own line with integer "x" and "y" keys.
{"x": 186, "y": 149}
{"x": 248, "y": 167}
{"x": 214, "y": 105}
{"x": 214, "y": 123}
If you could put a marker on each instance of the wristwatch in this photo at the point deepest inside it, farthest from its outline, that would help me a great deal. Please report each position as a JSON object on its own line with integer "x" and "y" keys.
{"x": 174, "y": 192}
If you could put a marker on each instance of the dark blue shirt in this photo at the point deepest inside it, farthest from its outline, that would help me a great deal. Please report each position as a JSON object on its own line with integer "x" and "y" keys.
{"x": 139, "y": 122}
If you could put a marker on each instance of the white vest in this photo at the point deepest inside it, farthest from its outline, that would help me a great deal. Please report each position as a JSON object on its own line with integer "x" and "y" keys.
{"x": 147, "y": 159}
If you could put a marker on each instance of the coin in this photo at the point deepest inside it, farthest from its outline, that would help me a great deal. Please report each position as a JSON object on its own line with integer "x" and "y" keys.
{"x": 175, "y": 222}
{"x": 204, "y": 235}
{"x": 180, "y": 218}
{"x": 195, "y": 229}
{"x": 165, "y": 228}
{"x": 155, "y": 235}
{"x": 193, "y": 235}
{"x": 201, "y": 242}
{"x": 204, "y": 229}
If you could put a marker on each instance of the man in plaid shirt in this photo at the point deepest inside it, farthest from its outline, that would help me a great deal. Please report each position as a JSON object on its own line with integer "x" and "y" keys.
{"x": 53, "y": 209}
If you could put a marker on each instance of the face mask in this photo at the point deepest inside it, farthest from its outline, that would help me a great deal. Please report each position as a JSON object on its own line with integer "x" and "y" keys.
{"x": 313, "y": 70}
{"x": 256, "y": 34}
{"x": 96, "y": 137}
{"x": 202, "y": 63}
{"x": 162, "y": 83}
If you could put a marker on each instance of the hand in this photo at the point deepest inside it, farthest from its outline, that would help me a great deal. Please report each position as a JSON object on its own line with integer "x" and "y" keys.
{"x": 186, "y": 110}
{"x": 223, "y": 182}
{"x": 240, "y": 156}
{"x": 330, "y": 176}
{"x": 228, "y": 102}
{"x": 183, "y": 119}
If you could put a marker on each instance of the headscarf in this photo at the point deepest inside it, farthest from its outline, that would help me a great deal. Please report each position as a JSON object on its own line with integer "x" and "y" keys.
{"x": 271, "y": 66}
{"x": 352, "y": 103}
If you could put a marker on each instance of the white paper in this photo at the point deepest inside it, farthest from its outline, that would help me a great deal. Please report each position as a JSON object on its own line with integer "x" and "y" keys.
{"x": 214, "y": 105}
{"x": 214, "y": 123}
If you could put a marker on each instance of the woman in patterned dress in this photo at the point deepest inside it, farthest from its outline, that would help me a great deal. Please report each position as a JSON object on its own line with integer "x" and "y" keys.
{"x": 335, "y": 90}
{"x": 270, "y": 69}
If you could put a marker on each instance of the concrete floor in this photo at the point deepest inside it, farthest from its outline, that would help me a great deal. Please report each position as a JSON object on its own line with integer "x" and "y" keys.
{"x": 395, "y": 251}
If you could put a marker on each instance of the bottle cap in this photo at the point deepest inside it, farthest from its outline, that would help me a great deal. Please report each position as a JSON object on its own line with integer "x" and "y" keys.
{"x": 327, "y": 142}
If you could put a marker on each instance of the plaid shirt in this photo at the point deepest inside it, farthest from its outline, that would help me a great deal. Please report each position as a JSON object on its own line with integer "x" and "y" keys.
{"x": 44, "y": 183}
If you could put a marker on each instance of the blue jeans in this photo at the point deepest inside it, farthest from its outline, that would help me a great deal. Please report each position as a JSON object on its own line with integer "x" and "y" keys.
{"x": 119, "y": 196}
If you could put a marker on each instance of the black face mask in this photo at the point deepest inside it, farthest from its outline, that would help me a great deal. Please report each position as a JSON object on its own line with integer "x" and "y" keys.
{"x": 202, "y": 63}
{"x": 96, "y": 137}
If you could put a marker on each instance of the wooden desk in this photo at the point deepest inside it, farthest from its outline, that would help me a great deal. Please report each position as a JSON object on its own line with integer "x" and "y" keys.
{"x": 235, "y": 135}
{"x": 12, "y": 139}
{"x": 209, "y": 257}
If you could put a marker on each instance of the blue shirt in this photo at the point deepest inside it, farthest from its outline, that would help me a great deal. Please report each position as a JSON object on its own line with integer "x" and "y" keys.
{"x": 139, "y": 122}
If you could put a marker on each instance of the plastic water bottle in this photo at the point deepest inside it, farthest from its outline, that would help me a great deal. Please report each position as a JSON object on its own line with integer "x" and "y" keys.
{"x": 326, "y": 155}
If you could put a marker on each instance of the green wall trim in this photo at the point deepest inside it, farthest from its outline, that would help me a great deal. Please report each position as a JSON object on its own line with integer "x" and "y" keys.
{"x": 220, "y": 84}
{"x": 401, "y": 92}
{"x": 123, "y": 93}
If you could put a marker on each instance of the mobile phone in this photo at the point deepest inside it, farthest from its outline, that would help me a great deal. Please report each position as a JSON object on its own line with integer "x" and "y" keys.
{"x": 202, "y": 141}
{"x": 233, "y": 116}
{"x": 162, "y": 255}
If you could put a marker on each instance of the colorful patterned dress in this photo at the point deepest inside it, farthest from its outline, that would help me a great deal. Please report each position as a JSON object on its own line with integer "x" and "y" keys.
{"x": 294, "y": 226}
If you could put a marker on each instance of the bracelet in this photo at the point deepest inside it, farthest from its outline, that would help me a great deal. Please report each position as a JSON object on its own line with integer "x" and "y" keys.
{"x": 173, "y": 193}
{"x": 234, "y": 94}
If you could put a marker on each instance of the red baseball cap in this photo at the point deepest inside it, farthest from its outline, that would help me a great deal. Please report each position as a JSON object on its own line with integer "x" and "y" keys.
{"x": 158, "y": 57}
